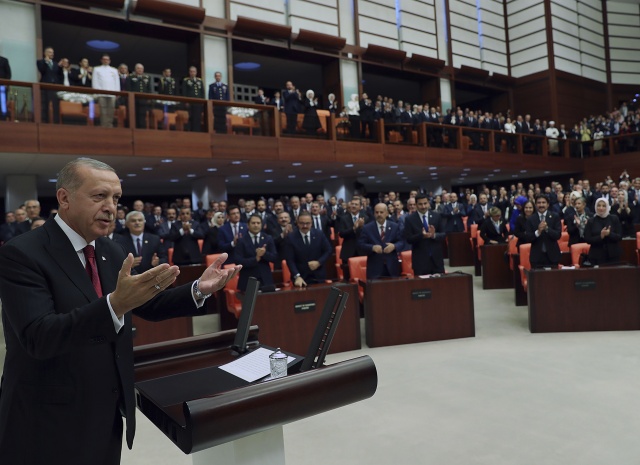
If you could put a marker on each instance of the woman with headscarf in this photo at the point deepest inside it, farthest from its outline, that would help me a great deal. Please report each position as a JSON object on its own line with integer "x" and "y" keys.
{"x": 520, "y": 227}
{"x": 211, "y": 229}
{"x": 311, "y": 122}
{"x": 518, "y": 204}
{"x": 603, "y": 232}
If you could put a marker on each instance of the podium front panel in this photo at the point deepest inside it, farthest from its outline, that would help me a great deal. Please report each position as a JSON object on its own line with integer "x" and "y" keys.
{"x": 496, "y": 273}
{"x": 405, "y": 311}
{"x": 586, "y": 299}
{"x": 460, "y": 251}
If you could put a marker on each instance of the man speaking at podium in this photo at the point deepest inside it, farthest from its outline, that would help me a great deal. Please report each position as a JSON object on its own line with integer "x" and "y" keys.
{"x": 67, "y": 295}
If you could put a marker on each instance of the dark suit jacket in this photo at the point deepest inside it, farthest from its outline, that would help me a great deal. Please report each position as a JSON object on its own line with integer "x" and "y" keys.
{"x": 150, "y": 244}
{"x": 5, "y": 68}
{"x": 186, "y": 250}
{"x": 48, "y": 75}
{"x": 454, "y": 221}
{"x": 488, "y": 232}
{"x": 66, "y": 366}
{"x": 376, "y": 262}
{"x": 8, "y": 231}
{"x": 324, "y": 225}
{"x": 349, "y": 236}
{"x": 548, "y": 238}
{"x": 476, "y": 216}
{"x": 607, "y": 249}
{"x": 426, "y": 255}
{"x": 246, "y": 256}
{"x": 225, "y": 239}
{"x": 298, "y": 255}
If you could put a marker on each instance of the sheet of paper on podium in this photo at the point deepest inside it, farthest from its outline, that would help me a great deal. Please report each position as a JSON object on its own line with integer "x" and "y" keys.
{"x": 253, "y": 366}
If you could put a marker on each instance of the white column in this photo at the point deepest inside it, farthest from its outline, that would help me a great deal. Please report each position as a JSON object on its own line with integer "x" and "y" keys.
{"x": 207, "y": 189}
{"x": 215, "y": 59}
{"x": 445, "y": 95}
{"x": 19, "y": 189}
{"x": 349, "y": 75}
{"x": 342, "y": 188}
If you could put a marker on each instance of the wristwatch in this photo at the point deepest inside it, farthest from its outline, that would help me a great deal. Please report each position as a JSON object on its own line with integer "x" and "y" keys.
{"x": 198, "y": 293}
{"x": 296, "y": 276}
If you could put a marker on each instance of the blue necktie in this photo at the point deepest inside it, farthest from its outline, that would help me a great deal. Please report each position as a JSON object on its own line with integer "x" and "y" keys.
{"x": 425, "y": 223}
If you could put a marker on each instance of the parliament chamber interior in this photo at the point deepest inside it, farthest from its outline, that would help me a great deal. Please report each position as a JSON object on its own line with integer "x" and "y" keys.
{"x": 426, "y": 121}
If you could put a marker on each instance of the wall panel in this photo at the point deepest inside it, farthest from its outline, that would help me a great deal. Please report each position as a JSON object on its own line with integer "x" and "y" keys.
{"x": 623, "y": 24}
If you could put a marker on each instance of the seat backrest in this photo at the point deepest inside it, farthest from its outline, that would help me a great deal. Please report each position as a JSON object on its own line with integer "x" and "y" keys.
{"x": 339, "y": 270}
{"x": 407, "y": 269}
{"x": 473, "y": 229}
{"x": 513, "y": 249}
{"x": 638, "y": 240}
{"x": 358, "y": 268}
{"x": 465, "y": 219}
{"x": 170, "y": 255}
{"x": 480, "y": 242}
{"x": 563, "y": 242}
{"x": 286, "y": 273}
{"x": 577, "y": 250}
{"x": 209, "y": 259}
{"x": 525, "y": 252}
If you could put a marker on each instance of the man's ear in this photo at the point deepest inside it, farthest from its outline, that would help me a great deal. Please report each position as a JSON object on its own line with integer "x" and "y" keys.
{"x": 62, "y": 195}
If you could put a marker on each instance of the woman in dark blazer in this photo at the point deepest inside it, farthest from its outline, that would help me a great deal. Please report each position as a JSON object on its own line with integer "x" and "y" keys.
{"x": 210, "y": 229}
{"x": 494, "y": 230}
{"x": 623, "y": 212}
{"x": 603, "y": 232}
{"x": 577, "y": 223}
{"x": 521, "y": 222}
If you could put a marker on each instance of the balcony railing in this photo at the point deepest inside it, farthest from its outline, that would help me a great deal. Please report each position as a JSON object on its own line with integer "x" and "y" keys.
{"x": 24, "y": 102}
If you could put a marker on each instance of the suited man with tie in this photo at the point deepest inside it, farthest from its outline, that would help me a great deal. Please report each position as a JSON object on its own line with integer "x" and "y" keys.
{"x": 453, "y": 214}
{"x": 381, "y": 240}
{"x": 351, "y": 225}
{"x": 49, "y": 74}
{"x": 320, "y": 221}
{"x": 423, "y": 230}
{"x": 185, "y": 234}
{"x": 295, "y": 208}
{"x": 254, "y": 251}
{"x": 146, "y": 248}
{"x": 494, "y": 229}
{"x": 291, "y": 106}
{"x": 67, "y": 294}
{"x": 9, "y": 228}
{"x": 480, "y": 211}
{"x": 219, "y": 91}
{"x": 231, "y": 232}
{"x": 277, "y": 101}
{"x": 543, "y": 229}
{"x": 306, "y": 252}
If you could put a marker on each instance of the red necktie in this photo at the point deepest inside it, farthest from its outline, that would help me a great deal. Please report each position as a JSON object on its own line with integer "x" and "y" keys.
{"x": 92, "y": 268}
{"x": 382, "y": 233}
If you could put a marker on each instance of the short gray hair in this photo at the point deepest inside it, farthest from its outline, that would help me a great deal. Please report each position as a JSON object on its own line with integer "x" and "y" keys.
{"x": 68, "y": 175}
{"x": 133, "y": 213}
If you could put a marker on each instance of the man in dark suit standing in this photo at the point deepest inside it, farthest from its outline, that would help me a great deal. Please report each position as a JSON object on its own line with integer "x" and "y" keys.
{"x": 319, "y": 220}
{"x": 67, "y": 294}
{"x": 423, "y": 230}
{"x": 453, "y": 214}
{"x": 481, "y": 211}
{"x": 49, "y": 74}
{"x": 185, "y": 234}
{"x": 306, "y": 252}
{"x": 543, "y": 231}
{"x": 381, "y": 240}
{"x": 230, "y": 232}
{"x": 291, "y": 105}
{"x": 146, "y": 248}
{"x": 254, "y": 252}
{"x": 219, "y": 91}
{"x": 351, "y": 225}
{"x": 9, "y": 228}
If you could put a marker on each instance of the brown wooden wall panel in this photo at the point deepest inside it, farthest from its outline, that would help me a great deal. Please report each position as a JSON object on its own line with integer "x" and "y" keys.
{"x": 579, "y": 97}
{"x": 72, "y": 140}
{"x": 19, "y": 137}
{"x": 307, "y": 150}
{"x": 596, "y": 169}
{"x": 359, "y": 152}
{"x": 244, "y": 148}
{"x": 172, "y": 144}
{"x": 533, "y": 97}
{"x": 622, "y": 92}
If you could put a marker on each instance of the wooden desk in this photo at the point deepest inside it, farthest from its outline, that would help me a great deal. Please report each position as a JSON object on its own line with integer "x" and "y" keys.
{"x": 282, "y": 324}
{"x": 459, "y": 245}
{"x": 520, "y": 293}
{"x": 587, "y": 299}
{"x": 495, "y": 269}
{"x": 404, "y": 311}
{"x": 149, "y": 332}
{"x": 628, "y": 246}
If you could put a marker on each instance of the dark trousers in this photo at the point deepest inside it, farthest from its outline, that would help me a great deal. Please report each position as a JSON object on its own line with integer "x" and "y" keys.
{"x": 195, "y": 117}
{"x": 50, "y": 96}
{"x": 220, "y": 120}
{"x": 292, "y": 122}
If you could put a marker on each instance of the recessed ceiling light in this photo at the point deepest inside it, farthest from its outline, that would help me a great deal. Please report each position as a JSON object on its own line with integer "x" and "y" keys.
{"x": 349, "y": 165}
{"x": 490, "y": 175}
{"x": 147, "y": 168}
{"x": 463, "y": 174}
{"x": 407, "y": 182}
{"x": 166, "y": 160}
{"x": 400, "y": 172}
{"x": 103, "y": 45}
{"x": 174, "y": 180}
{"x": 132, "y": 175}
{"x": 361, "y": 172}
{"x": 467, "y": 169}
{"x": 333, "y": 176}
{"x": 405, "y": 177}
{"x": 236, "y": 162}
{"x": 523, "y": 171}
{"x": 268, "y": 180}
{"x": 53, "y": 180}
{"x": 514, "y": 175}
{"x": 247, "y": 66}
{"x": 296, "y": 163}
{"x": 268, "y": 171}
{"x": 497, "y": 170}
{"x": 244, "y": 175}
{"x": 547, "y": 172}
{"x": 191, "y": 175}
{"x": 309, "y": 180}
{"x": 378, "y": 181}
{"x": 212, "y": 169}
{"x": 485, "y": 179}
{"x": 292, "y": 176}
{"x": 393, "y": 167}
{"x": 317, "y": 171}
{"x": 372, "y": 177}
{"x": 433, "y": 168}
{"x": 434, "y": 174}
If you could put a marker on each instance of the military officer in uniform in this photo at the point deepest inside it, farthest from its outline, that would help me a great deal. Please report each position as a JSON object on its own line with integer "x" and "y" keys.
{"x": 167, "y": 84}
{"x": 193, "y": 87}
{"x": 140, "y": 82}
{"x": 219, "y": 91}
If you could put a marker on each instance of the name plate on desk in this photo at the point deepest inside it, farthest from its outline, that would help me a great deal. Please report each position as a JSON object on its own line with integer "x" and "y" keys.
{"x": 420, "y": 294}
{"x": 584, "y": 285}
{"x": 302, "y": 307}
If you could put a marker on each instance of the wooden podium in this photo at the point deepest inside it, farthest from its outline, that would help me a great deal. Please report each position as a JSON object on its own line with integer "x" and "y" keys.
{"x": 495, "y": 269}
{"x": 585, "y": 299}
{"x": 222, "y": 419}
{"x": 460, "y": 251}
{"x": 405, "y": 311}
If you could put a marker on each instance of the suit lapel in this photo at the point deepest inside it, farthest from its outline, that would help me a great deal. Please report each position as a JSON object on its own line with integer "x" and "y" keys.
{"x": 105, "y": 267}
{"x": 62, "y": 251}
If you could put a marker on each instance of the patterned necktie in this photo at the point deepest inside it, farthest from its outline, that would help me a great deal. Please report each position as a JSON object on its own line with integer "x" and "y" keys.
{"x": 382, "y": 232}
{"x": 317, "y": 222}
{"x": 92, "y": 268}
{"x": 138, "y": 247}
